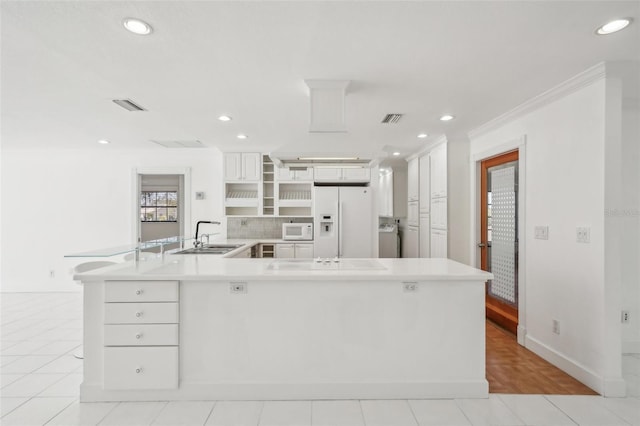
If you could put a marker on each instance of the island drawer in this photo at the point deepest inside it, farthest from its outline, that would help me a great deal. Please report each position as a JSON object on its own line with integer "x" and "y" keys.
{"x": 141, "y": 291}
{"x": 141, "y": 313}
{"x": 141, "y": 335}
{"x": 141, "y": 367}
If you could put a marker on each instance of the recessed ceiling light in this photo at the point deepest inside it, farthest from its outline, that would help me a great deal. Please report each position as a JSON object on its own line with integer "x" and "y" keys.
{"x": 242, "y": 136}
{"x": 447, "y": 117}
{"x": 103, "y": 142}
{"x": 396, "y": 153}
{"x": 224, "y": 118}
{"x": 422, "y": 135}
{"x": 137, "y": 26}
{"x": 614, "y": 26}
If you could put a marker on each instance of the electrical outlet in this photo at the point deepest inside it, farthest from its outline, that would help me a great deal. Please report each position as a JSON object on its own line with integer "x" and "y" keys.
{"x": 409, "y": 286}
{"x": 625, "y": 317}
{"x": 541, "y": 232}
{"x": 238, "y": 287}
{"x": 583, "y": 235}
{"x": 199, "y": 195}
{"x": 556, "y": 327}
{"x": 243, "y": 222}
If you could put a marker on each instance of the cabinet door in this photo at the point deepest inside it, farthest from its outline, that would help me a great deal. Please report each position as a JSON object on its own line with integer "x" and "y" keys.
{"x": 439, "y": 213}
{"x": 251, "y": 166}
{"x": 413, "y": 178}
{"x": 327, "y": 174}
{"x": 410, "y": 244}
{"x": 285, "y": 174}
{"x": 438, "y": 243}
{"x": 304, "y": 251}
{"x": 425, "y": 190}
{"x": 413, "y": 215}
{"x": 425, "y": 240}
{"x": 232, "y": 166}
{"x": 439, "y": 171}
{"x": 306, "y": 174}
{"x": 356, "y": 174}
{"x": 385, "y": 194}
{"x": 285, "y": 251}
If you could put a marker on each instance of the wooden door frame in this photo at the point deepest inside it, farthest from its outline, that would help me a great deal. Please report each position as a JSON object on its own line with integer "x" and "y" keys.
{"x": 476, "y": 157}
{"x": 499, "y": 312}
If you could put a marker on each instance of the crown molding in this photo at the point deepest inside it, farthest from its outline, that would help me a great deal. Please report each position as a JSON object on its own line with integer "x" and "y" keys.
{"x": 574, "y": 84}
{"x": 428, "y": 147}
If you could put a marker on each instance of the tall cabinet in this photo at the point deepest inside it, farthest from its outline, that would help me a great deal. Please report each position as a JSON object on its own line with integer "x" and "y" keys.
{"x": 427, "y": 204}
{"x": 438, "y": 180}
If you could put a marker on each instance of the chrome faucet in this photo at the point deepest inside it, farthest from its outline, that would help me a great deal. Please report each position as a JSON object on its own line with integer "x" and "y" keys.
{"x": 197, "y": 242}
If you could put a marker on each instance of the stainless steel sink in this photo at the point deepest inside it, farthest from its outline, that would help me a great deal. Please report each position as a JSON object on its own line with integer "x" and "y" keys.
{"x": 211, "y": 249}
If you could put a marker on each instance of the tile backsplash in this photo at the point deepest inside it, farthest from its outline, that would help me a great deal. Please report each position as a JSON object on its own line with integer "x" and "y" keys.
{"x": 260, "y": 227}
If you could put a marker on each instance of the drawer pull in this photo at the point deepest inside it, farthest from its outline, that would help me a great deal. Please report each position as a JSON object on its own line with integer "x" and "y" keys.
{"x": 139, "y": 336}
{"x": 138, "y": 292}
{"x": 139, "y": 314}
{"x": 138, "y": 370}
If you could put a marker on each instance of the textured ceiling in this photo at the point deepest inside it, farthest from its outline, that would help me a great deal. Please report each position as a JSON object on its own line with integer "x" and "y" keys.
{"x": 63, "y": 62}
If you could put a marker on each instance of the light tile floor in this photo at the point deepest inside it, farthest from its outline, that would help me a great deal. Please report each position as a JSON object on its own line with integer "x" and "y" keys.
{"x": 40, "y": 379}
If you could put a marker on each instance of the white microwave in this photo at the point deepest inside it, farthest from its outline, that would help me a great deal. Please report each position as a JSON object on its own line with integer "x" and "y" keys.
{"x": 297, "y": 231}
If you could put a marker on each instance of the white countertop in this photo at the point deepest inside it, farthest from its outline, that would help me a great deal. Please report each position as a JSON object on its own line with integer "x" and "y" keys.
{"x": 211, "y": 267}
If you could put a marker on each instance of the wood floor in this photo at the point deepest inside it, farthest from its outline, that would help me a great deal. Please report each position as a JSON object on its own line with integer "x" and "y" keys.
{"x": 513, "y": 369}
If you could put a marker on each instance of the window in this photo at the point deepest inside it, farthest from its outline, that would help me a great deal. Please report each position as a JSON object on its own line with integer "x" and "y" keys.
{"x": 159, "y": 206}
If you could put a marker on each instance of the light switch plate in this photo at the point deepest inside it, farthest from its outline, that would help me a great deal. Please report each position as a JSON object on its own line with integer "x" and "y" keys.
{"x": 200, "y": 195}
{"x": 541, "y": 232}
{"x": 583, "y": 235}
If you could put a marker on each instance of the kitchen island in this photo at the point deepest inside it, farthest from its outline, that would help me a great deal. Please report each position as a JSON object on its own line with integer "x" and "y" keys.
{"x": 205, "y": 327}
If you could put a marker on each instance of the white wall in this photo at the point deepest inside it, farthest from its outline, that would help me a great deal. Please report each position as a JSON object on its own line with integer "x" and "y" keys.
{"x": 60, "y": 202}
{"x": 565, "y": 189}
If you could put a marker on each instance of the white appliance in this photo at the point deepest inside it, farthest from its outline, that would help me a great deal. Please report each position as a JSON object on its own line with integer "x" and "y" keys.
{"x": 343, "y": 221}
{"x": 297, "y": 231}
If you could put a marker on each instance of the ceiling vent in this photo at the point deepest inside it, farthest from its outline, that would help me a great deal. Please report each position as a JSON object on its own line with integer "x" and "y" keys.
{"x": 391, "y": 118}
{"x": 128, "y": 104}
{"x": 180, "y": 144}
{"x": 327, "y": 112}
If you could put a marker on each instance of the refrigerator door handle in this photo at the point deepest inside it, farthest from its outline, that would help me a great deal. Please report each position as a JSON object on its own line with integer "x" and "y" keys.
{"x": 340, "y": 250}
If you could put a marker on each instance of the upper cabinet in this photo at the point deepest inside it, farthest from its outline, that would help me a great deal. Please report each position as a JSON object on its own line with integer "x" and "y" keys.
{"x": 413, "y": 180}
{"x": 242, "y": 166}
{"x": 286, "y": 174}
{"x": 438, "y": 171}
{"x": 425, "y": 197}
{"x": 342, "y": 174}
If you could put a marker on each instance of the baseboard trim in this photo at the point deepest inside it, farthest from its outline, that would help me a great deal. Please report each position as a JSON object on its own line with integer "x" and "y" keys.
{"x": 566, "y": 364}
{"x": 294, "y": 391}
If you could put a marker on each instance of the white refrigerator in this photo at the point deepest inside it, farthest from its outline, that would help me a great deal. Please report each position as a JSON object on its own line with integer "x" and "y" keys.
{"x": 343, "y": 222}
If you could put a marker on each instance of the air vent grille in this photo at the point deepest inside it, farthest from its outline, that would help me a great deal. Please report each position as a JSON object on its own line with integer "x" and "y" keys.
{"x": 180, "y": 144}
{"x": 128, "y": 104}
{"x": 391, "y": 118}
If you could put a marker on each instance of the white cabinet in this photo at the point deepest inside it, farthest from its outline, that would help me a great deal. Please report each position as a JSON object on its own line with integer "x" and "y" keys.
{"x": 285, "y": 251}
{"x": 439, "y": 213}
{"x": 413, "y": 215}
{"x": 342, "y": 174}
{"x": 439, "y": 171}
{"x": 244, "y": 166}
{"x": 413, "y": 179}
{"x": 425, "y": 240}
{"x": 141, "y": 335}
{"x": 424, "y": 189}
{"x": 286, "y": 174}
{"x": 410, "y": 246}
{"x": 438, "y": 243}
{"x": 294, "y": 250}
{"x": 385, "y": 193}
{"x": 303, "y": 251}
